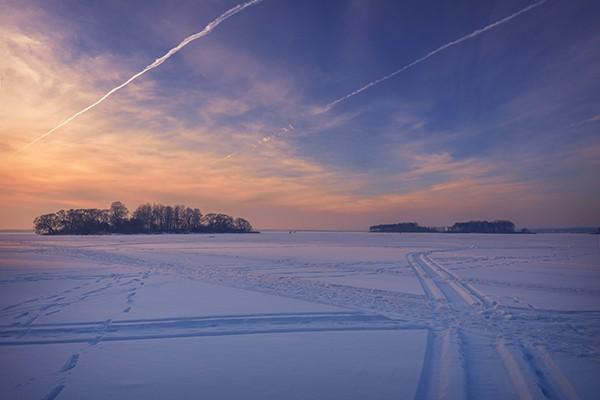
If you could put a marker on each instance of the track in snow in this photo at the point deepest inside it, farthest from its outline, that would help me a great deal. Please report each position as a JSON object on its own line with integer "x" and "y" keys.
{"x": 476, "y": 348}
{"x": 473, "y": 337}
{"x": 170, "y": 328}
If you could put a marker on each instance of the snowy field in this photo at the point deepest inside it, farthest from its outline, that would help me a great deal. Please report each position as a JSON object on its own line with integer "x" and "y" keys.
{"x": 300, "y": 316}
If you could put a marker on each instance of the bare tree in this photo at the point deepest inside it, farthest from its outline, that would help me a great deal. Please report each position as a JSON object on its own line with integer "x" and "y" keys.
{"x": 47, "y": 224}
{"x": 243, "y": 226}
{"x": 146, "y": 218}
{"x": 118, "y": 214}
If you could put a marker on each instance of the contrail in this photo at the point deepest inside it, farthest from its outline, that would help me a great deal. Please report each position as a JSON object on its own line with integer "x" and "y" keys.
{"x": 431, "y": 54}
{"x": 207, "y": 29}
{"x": 259, "y": 142}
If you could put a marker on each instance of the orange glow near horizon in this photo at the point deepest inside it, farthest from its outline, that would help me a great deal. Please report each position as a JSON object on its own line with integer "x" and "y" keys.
{"x": 133, "y": 149}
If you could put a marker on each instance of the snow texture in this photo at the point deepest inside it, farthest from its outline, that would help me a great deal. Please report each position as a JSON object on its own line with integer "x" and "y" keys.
{"x": 305, "y": 315}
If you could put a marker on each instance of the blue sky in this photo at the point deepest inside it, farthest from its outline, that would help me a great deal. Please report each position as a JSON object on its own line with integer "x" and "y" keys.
{"x": 510, "y": 118}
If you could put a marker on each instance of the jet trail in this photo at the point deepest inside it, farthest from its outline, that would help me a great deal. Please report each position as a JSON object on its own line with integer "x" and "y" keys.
{"x": 207, "y": 29}
{"x": 431, "y": 54}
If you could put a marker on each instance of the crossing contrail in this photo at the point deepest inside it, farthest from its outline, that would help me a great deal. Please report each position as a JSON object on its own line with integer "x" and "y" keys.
{"x": 431, "y": 54}
{"x": 207, "y": 29}
{"x": 471, "y": 35}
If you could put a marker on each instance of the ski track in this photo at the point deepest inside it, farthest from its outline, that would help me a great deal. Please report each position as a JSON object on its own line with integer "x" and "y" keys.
{"x": 483, "y": 327}
{"x": 128, "y": 330}
{"x": 28, "y": 311}
{"x": 463, "y": 322}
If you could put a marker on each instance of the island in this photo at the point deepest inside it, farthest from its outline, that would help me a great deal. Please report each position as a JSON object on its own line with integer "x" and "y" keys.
{"x": 146, "y": 219}
{"x": 496, "y": 226}
{"x": 499, "y": 226}
{"x": 401, "y": 227}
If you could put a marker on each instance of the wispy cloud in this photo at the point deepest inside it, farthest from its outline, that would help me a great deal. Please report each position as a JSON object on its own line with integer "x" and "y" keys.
{"x": 208, "y": 29}
{"x": 431, "y": 54}
{"x": 590, "y": 120}
{"x": 215, "y": 137}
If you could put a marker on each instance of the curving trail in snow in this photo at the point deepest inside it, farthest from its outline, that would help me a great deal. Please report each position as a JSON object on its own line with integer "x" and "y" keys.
{"x": 480, "y": 302}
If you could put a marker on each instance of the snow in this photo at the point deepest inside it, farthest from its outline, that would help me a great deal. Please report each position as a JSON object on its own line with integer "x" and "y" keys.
{"x": 305, "y": 315}
{"x": 309, "y": 365}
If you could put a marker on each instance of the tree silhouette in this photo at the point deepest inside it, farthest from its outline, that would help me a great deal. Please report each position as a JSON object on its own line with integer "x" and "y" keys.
{"x": 46, "y": 224}
{"x": 146, "y": 218}
{"x": 118, "y": 214}
{"x": 499, "y": 226}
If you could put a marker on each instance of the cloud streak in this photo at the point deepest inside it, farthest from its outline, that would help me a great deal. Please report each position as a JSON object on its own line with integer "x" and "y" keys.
{"x": 471, "y": 35}
{"x": 207, "y": 29}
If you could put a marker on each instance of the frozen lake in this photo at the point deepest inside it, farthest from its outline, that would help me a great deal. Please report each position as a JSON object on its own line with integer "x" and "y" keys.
{"x": 305, "y": 315}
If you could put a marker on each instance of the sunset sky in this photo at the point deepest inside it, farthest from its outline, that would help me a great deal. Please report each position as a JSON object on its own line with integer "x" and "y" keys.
{"x": 504, "y": 125}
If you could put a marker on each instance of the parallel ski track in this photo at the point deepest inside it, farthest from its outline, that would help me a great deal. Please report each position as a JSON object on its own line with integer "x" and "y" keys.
{"x": 459, "y": 317}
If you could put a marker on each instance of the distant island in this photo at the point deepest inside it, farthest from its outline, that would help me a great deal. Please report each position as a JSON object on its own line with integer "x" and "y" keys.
{"x": 581, "y": 229}
{"x": 499, "y": 226}
{"x": 147, "y": 218}
{"x": 483, "y": 227}
{"x": 401, "y": 227}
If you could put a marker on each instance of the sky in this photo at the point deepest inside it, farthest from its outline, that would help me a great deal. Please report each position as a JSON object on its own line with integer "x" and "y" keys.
{"x": 505, "y": 125}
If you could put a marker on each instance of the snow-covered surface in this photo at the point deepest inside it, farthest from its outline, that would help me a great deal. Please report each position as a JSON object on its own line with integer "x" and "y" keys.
{"x": 305, "y": 315}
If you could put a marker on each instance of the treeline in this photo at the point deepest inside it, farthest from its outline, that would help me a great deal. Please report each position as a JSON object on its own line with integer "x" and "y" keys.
{"x": 147, "y": 218}
{"x": 401, "y": 227}
{"x": 498, "y": 226}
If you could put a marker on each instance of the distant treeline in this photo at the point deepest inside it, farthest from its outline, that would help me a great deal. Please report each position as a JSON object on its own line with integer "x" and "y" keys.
{"x": 499, "y": 226}
{"x": 147, "y": 218}
{"x": 483, "y": 227}
{"x": 583, "y": 229}
{"x": 401, "y": 227}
